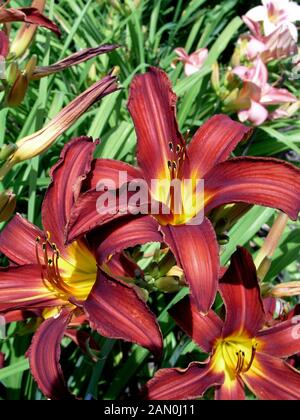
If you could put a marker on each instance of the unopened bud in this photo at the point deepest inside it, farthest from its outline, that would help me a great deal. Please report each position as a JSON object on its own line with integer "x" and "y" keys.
{"x": 223, "y": 239}
{"x": 168, "y": 284}
{"x": 20, "y": 86}
{"x": 13, "y": 73}
{"x": 231, "y": 80}
{"x": 264, "y": 268}
{"x": 7, "y": 205}
{"x": 266, "y": 253}
{"x": 26, "y": 33}
{"x": 116, "y": 4}
{"x": 116, "y": 71}
{"x": 231, "y": 99}
{"x": 215, "y": 77}
{"x": 287, "y": 289}
{"x": 30, "y": 66}
{"x": 18, "y": 91}
{"x": 93, "y": 73}
{"x": 240, "y": 52}
{"x": 176, "y": 271}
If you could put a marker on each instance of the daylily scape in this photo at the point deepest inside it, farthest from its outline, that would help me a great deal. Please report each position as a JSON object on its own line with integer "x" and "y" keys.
{"x": 149, "y": 226}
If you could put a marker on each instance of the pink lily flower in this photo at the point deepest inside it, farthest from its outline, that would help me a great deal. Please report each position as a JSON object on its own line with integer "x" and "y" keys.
{"x": 275, "y": 13}
{"x": 279, "y": 44}
{"x": 261, "y": 93}
{"x": 192, "y": 62}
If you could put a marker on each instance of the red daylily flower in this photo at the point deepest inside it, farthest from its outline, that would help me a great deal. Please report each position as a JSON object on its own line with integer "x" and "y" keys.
{"x": 64, "y": 281}
{"x": 242, "y": 352}
{"x": 163, "y": 154}
{"x": 30, "y": 15}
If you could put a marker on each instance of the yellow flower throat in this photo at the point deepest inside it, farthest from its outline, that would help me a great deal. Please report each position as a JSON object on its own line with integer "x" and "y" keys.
{"x": 234, "y": 355}
{"x": 178, "y": 194}
{"x": 72, "y": 275}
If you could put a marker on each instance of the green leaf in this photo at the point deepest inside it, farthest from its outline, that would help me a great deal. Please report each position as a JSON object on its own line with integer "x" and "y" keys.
{"x": 14, "y": 369}
{"x": 245, "y": 229}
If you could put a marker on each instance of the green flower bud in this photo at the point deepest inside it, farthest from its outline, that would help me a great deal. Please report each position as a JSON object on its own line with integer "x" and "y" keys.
{"x": 7, "y": 205}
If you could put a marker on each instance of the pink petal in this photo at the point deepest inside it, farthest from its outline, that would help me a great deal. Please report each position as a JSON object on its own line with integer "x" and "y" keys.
{"x": 257, "y": 114}
{"x": 274, "y": 96}
{"x": 257, "y": 14}
{"x": 255, "y": 47}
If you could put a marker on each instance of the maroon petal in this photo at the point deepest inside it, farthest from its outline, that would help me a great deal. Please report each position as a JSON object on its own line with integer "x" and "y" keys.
{"x": 126, "y": 233}
{"x": 116, "y": 311}
{"x": 44, "y": 356}
{"x": 87, "y": 214}
{"x": 282, "y": 340}
{"x": 82, "y": 339}
{"x": 214, "y": 142}
{"x": 272, "y": 379}
{"x": 23, "y": 288}
{"x": 182, "y": 384}
{"x": 121, "y": 266}
{"x": 28, "y": 15}
{"x": 204, "y": 330}
{"x": 196, "y": 251}
{"x": 4, "y": 44}
{"x": 2, "y": 360}
{"x": 110, "y": 169}
{"x": 72, "y": 60}
{"x": 68, "y": 175}
{"x": 152, "y": 105}
{"x": 23, "y": 250}
{"x": 232, "y": 390}
{"x": 241, "y": 294}
{"x": 78, "y": 320}
{"x": 18, "y": 315}
{"x": 263, "y": 181}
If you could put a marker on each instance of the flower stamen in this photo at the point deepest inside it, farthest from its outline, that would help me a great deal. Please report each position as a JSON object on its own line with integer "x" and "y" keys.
{"x": 50, "y": 268}
{"x": 240, "y": 367}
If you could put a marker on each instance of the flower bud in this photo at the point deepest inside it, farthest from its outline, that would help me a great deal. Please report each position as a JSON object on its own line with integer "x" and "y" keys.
{"x": 287, "y": 289}
{"x": 38, "y": 142}
{"x": 13, "y": 73}
{"x": 17, "y": 92}
{"x": 7, "y": 205}
{"x": 264, "y": 257}
{"x": 215, "y": 77}
{"x": 26, "y": 33}
{"x": 173, "y": 281}
{"x": 168, "y": 284}
{"x": 20, "y": 86}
